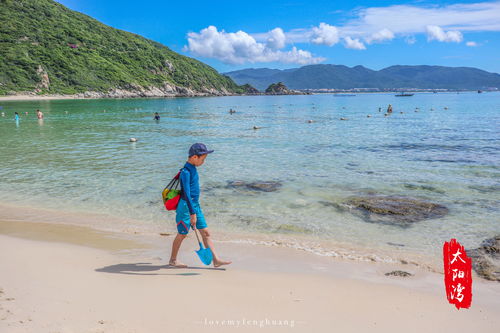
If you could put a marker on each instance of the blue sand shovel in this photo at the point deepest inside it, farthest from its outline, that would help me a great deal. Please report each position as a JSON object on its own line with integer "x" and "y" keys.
{"x": 204, "y": 253}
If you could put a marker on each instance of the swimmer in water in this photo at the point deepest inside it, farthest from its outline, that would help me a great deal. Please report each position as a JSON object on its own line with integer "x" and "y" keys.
{"x": 157, "y": 116}
{"x": 39, "y": 114}
{"x": 16, "y": 116}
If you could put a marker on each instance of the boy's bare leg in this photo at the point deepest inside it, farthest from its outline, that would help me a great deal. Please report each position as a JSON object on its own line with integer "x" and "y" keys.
{"x": 175, "y": 249}
{"x": 207, "y": 240}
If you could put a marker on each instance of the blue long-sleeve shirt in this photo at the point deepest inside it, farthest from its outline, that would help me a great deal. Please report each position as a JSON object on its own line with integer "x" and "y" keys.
{"x": 190, "y": 185}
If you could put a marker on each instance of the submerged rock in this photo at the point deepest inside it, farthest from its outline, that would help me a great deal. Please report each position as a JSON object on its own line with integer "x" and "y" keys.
{"x": 265, "y": 186}
{"x": 423, "y": 187}
{"x": 340, "y": 208}
{"x": 394, "y": 210}
{"x": 486, "y": 259}
{"x": 399, "y": 273}
{"x": 290, "y": 228}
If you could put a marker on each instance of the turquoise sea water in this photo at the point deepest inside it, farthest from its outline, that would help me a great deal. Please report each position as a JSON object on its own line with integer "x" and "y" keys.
{"x": 79, "y": 159}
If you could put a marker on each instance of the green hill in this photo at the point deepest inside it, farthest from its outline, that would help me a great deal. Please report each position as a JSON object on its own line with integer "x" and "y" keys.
{"x": 394, "y": 77}
{"x": 49, "y": 49}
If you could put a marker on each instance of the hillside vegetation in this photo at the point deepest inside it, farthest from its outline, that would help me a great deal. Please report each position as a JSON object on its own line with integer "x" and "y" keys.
{"x": 48, "y": 48}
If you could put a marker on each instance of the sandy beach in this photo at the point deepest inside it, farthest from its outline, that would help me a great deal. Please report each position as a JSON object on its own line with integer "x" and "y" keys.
{"x": 65, "y": 278}
{"x": 38, "y": 97}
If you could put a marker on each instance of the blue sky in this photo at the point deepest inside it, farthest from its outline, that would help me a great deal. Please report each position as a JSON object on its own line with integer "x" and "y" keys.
{"x": 230, "y": 35}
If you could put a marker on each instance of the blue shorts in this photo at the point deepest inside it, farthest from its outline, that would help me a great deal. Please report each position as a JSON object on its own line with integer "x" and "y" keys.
{"x": 182, "y": 217}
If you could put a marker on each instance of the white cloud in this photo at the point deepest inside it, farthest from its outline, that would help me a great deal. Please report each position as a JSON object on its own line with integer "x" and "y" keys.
{"x": 239, "y": 47}
{"x": 355, "y": 44}
{"x": 380, "y": 36}
{"x": 410, "y": 40}
{"x": 377, "y": 24}
{"x": 276, "y": 39}
{"x": 443, "y": 23}
{"x": 408, "y": 19}
{"x": 435, "y": 32}
{"x": 325, "y": 34}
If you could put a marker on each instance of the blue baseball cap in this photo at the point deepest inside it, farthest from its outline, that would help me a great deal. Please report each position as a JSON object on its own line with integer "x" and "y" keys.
{"x": 199, "y": 149}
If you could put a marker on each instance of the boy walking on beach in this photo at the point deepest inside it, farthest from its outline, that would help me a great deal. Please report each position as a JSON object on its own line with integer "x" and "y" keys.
{"x": 189, "y": 213}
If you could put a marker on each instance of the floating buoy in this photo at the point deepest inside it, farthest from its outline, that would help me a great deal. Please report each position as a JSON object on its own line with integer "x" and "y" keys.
{"x": 132, "y": 140}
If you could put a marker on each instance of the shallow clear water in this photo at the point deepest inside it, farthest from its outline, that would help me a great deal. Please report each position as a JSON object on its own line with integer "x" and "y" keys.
{"x": 80, "y": 159}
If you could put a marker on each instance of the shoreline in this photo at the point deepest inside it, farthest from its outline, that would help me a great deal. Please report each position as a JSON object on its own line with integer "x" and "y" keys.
{"x": 313, "y": 245}
{"x": 87, "y": 280}
{"x": 83, "y": 96}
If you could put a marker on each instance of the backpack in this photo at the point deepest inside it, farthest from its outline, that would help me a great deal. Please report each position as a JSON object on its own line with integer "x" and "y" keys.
{"x": 171, "y": 193}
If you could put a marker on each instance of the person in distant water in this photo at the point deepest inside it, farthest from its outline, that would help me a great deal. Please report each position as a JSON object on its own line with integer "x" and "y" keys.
{"x": 189, "y": 213}
{"x": 16, "y": 116}
{"x": 39, "y": 114}
{"x": 389, "y": 109}
{"x": 157, "y": 116}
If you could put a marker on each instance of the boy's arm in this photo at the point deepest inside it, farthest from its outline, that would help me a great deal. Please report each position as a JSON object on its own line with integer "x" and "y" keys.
{"x": 186, "y": 190}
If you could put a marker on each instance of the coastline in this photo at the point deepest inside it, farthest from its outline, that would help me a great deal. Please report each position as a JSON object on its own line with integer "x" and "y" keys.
{"x": 130, "y": 228}
{"x": 95, "y": 95}
{"x": 76, "y": 279}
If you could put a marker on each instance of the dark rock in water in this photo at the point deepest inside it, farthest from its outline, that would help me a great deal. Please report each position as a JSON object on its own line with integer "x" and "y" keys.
{"x": 400, "y": 211}
{"x": 423, "y": 187}
{"x": 395, "y": 244}
{"x": 340, "y": 208}
{"x": 485, "y": 189}
{"x": 280, "y": 89}
{"x": 265, "y": 186}
{"x": 486, "y": 259}
{"x": 399, "y": 273}
{"x": 290, "y": 228}
{"x": 249, "y": 90}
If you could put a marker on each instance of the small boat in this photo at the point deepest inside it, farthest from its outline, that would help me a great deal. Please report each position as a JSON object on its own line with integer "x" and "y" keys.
{"x": 404, "y": 95}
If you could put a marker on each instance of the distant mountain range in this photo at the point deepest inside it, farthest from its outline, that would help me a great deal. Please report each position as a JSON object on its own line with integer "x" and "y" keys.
{"x": 394, "y": 77}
